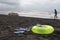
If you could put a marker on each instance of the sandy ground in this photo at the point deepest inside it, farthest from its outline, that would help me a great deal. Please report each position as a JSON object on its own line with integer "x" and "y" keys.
{"x": 9, "y": 23}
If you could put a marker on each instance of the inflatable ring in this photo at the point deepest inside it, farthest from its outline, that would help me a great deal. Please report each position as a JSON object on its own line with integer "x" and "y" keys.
{"x": 45, "y": 29}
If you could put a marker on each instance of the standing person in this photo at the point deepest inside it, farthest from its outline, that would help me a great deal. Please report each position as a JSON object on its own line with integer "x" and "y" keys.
{"x": 55, "y": 11}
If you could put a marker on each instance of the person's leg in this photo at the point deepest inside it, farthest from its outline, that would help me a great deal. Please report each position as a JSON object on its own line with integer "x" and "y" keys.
{"x": 55, "y": 16}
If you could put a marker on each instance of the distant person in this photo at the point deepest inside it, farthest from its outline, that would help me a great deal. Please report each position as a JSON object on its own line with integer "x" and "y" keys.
{"x": 55, "y": 11}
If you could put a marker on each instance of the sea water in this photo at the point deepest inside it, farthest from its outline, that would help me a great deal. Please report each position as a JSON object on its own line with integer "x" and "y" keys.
{"x": 49, "y": 15}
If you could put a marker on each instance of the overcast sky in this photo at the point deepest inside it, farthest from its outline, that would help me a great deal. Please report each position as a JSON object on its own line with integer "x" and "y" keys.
{"x": 16, "y": 5}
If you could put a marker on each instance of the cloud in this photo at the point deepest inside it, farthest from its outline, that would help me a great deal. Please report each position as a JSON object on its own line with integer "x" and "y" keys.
{"x": 32, "y": 2}
{"x": 9, "y": 2}
{"x": 9, "y": 5}
{"x": 29, "y": 5}
{"x": 55, "y": 1}
{"x": 40, "y": 4}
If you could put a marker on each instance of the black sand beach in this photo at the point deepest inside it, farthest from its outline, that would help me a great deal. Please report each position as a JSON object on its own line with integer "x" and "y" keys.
{"x": 9, "y": 23}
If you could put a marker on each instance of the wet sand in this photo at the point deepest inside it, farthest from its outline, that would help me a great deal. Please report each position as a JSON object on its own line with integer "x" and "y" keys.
{"x": 9, "y": 23}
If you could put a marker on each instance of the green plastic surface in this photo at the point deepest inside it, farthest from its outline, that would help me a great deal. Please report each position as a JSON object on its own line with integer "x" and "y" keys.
{"x": 45, "y": 29}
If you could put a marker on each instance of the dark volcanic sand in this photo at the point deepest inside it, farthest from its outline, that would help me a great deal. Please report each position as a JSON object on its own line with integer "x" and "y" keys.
{"x": 9, "y": 23}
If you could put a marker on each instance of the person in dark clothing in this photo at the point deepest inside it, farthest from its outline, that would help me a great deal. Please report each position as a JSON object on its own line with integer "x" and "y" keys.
{"x": 55, "y": 11}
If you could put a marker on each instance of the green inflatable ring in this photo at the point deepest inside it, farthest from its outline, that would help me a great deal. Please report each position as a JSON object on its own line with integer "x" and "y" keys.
{"x": 45, "y": 29}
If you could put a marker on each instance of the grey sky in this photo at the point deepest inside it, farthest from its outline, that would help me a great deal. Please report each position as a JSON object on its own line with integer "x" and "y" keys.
{"x": 43, "y": 5}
